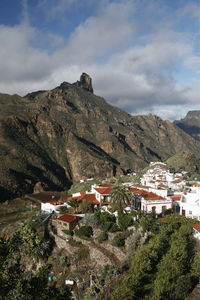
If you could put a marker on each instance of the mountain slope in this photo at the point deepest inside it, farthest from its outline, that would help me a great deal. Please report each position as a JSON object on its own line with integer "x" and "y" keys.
{"x": 191, "y": 124}
{"x": 184, "y": 161}
{"x": 60, "y": 136}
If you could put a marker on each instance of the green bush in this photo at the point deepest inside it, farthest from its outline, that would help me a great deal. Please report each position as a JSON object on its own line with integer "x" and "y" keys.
{"x": 115, "y": 228}
{"x": 119, "y": 240}
{"x": 125, "y": 220}
{"x": 106, "y": 226}
{"x": 106, "y": 217}
{"x": 64, "y": 261}
{"x": 74, "y": 243}
{"x": 84, "y": 231}
{"x": 68, "y": 232}
{"x": 82, "y": 253}
{"x": 103, "y": 236}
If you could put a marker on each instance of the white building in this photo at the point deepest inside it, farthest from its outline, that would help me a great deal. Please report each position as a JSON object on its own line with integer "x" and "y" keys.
{"x": 151, "y": 202}
{"x": 190, "y": 204}
{"x": 49, "y": 207}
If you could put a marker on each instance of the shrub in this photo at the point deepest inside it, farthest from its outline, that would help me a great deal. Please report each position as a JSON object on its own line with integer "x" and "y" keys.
{"x": 74, "y": 243}
{"x": 103, "y": 236}
{"x": 106, "y": 226}
{"x": 114, "y": 228}
{"x": 86, "y": 231}
{"x": 125, "y": 220}
{"x": 106, "y": 217}
{"x": 119, "y": 240}
{"x": 82, "y": 253}
{"x": 64, "y": 261}
{"x": 69, "y": 232}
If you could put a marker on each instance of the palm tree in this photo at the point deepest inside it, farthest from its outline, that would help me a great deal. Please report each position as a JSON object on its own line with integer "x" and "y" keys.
{"x": 74, "y": 203}
{"x": 120, "y": 196}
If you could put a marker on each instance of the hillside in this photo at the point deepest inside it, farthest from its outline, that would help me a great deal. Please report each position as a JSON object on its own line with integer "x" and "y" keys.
{"x": 59, "y": 136}
{"x": 190, "y": 124}
{"x": 184, "y": 161}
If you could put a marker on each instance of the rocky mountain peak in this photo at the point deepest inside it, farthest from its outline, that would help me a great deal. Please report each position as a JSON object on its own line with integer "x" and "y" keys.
{"x": 86, "y": 82}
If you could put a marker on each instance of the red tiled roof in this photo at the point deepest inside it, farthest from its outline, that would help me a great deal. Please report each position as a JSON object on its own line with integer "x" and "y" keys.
{"x": 176, "y": 197}
{"x": 197, "y": 227}
{"x": 161, "y": 180}
{"x": 68, "y": 218}
{"x": 146, "y": 195}
{"x": 177, "y": 181}
{"x": 104, "y": 191}
{"x": 90, "y": 198}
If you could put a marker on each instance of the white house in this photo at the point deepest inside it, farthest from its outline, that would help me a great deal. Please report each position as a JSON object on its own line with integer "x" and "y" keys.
{"x": 49, "y": 207}
{"x": 151, "y": 202}
{"x": 102, "y": 193}
{"x": 190, "y": 204}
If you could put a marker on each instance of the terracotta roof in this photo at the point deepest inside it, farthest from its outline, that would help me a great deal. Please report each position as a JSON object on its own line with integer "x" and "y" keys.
{"x": 68, "y": 218}
{"x": 176, "y": 197}
{"x": 90, "y": 198}
{"x": 104, "y": 191}
{"x": 177, "y": 181}
{"x": 146, "y": 195}
{"x": 197, "y": 227}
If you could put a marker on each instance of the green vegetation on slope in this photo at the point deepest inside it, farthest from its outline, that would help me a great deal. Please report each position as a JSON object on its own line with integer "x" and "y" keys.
{"x": 165, "y": 268}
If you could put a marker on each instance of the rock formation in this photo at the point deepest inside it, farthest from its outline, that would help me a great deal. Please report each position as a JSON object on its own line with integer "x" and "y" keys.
{"x": 86, "y": 82}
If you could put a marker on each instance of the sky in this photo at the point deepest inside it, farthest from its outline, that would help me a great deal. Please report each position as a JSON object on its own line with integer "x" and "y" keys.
{"x": 143, "y": 55}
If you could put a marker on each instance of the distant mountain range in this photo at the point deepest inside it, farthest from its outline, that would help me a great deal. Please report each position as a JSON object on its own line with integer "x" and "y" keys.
{"x": 53, "y": 138}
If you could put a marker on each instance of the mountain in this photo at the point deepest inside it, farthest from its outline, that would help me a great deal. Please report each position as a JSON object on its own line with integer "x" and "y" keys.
{"x": 53, "y": 138}
{"x": 191, "y": 124}
{"x": 185, "y": 161}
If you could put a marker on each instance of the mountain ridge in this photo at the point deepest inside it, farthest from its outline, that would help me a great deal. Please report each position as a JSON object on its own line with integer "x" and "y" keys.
{"x": 190, "y": 124}
{"x": 59, "y": 136}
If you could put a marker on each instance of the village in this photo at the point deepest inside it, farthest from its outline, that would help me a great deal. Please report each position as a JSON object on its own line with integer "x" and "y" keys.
{"x": 93, "y": 230}
{"x": 160, "y": 192}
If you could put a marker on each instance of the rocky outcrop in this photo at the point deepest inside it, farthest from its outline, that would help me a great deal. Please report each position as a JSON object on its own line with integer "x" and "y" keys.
{"x": 191, "y": 124}
{"x": 86, "y": 82}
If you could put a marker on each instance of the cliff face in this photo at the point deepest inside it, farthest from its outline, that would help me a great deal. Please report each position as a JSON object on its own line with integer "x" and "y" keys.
{"x": 191, "y": 124}
{"x": 66, "y": 134}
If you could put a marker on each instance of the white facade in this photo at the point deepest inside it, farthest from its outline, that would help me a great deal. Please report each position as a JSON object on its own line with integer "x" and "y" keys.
{"x": 190, "y": 205}
{"x": 50, "y": 207}
{"x": 156, "y": 206}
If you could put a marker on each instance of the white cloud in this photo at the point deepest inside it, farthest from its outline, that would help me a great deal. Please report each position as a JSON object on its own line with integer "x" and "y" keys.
{"x": 133, "y": 72}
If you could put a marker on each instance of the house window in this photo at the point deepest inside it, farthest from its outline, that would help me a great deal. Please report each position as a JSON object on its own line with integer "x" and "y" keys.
{"x": 153, "y": 209}
{"x": 190, "y": 212}
{"x": 163, "y": 208}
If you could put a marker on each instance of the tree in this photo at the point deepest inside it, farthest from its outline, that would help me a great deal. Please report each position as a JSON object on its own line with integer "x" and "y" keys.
{"x": 85, "y": 230}
{"x": 74, "y": 203}
{"x": 120, "y": 196}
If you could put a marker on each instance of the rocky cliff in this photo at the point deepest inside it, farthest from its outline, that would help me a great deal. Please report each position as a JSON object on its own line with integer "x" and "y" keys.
{"x": 191, "y": 124}
{"x": 62, "y": 135}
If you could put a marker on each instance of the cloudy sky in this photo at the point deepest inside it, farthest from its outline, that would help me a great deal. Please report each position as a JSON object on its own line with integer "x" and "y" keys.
{"x": 143, "y": 55}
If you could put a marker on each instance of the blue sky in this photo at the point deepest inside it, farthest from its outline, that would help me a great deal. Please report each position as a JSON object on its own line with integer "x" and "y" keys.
{"x": 143, "y": 55}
